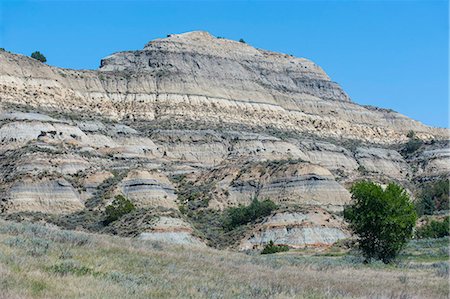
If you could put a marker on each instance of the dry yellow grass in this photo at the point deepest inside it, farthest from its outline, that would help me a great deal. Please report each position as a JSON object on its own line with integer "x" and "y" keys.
{"x": 38, "y": 262}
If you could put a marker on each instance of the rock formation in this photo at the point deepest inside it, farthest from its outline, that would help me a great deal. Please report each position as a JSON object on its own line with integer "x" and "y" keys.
{"x": 232, "y": 121}
{"x": 315, "y": 227}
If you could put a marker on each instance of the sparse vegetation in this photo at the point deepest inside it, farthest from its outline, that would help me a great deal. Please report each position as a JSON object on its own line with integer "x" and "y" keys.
{"x": 38, "y": 56}
{"x": 272, "y": 248}
{"x": 362, "y": 170}
{"x": 433, "y": 197}
{"x": 241, "y": 215}
{"x": 113, "y": 267}
{"x": 192, "y": 196}
{"x": 38, "y": 261}
{"x": 411, "y": 134}
{"x": 224, "y": 229}
{"x": 383, "y": 220}
{"x": 119, "y": 207}
{"x": 104, "y": 190}
{"x": 70, "y": 267}
{"x": 426, "y": 250}
{"x": 209, "y": 225}
{"x": 220, "y": 229}
{"x": 412, "y": 145}
{"x": 434, "y": 229}
{"x": 137, "y": 221}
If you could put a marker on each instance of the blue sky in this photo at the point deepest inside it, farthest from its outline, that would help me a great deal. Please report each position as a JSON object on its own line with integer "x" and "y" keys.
{"x": 391, "y": 54}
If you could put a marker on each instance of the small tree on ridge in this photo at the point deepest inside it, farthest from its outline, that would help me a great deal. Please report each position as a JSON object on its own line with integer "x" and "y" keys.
{"x": 38, "y": 56}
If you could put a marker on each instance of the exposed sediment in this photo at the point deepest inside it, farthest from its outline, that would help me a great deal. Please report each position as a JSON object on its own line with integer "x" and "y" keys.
{"x": 233, "y": 121}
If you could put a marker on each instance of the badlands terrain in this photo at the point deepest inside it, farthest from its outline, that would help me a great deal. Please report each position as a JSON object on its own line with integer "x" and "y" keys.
{"x": 188, "y": 127}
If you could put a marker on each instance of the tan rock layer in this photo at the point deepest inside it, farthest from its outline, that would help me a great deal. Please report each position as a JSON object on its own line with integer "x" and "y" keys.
{"x": 197, "y": 78}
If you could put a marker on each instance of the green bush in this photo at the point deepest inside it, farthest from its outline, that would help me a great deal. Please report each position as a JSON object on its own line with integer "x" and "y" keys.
{"x": 241, "y": 215}
{"x": 38, "y": 56}
{"x": 191, "y": 196}
{"x": 434, "y": 197}
{"x": 434, "y": 229}
{"x": 411, "y": 134}
{"x": 119, "y": 207}
{"x": 383, "y": 220}
{"x": 242, "y": 41}
{"x": 272, "y": 248}
{"x": 70, "y": 267}
{"x": 413, "y": 143}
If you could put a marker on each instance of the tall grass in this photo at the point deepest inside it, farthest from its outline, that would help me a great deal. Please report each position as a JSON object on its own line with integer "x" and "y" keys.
{"x": 78, "y": 265}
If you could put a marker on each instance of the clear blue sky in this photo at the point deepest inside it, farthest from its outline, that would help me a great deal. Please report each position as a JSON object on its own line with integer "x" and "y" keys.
{"x": 391, "y": 54}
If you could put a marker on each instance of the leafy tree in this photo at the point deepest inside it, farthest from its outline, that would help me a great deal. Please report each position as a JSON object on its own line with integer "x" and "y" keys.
{"x": 272, "y": 248}
{"x": 38, "y": 56}
{"x": 242, "y": 41}
{"x": 119, "y": 207}
{"x": 244, "y": 214}
{"x": 434, "y": 229}
{"x": 383, "y": 220}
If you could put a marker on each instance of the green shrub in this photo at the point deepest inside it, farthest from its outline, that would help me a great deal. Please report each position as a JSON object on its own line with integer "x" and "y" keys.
{"x": 119, "y": 207}
{"x": 191, "y": 196}
{"x": 434, "y": 197}
{"x": 241, "y": 215}
{"x": 413, "y": 143}
{"x": 242, "y": 41}
{"x": 38, "y": 56}
{"x": 383, "y": 220}
{"x": 411, "y": 134}
{"x": 272, "y": 248}
{"x": 434, "y": 229}
{"x": 71, "y": 267}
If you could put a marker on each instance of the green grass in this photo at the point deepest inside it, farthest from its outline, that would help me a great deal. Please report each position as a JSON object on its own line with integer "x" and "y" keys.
{"x": 41, "y": 262}
{"x": 426, "y": 250}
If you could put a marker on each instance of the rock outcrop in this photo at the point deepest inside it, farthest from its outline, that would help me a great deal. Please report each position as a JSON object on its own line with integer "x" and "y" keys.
{"x": 146, "y": 189}
{"x": 315, "y": 227}
{"x": 198, "y": 79}
{"x": 171, "y": 230}
{"x": 47, "y": 196}
{"x": 216, "y": 118}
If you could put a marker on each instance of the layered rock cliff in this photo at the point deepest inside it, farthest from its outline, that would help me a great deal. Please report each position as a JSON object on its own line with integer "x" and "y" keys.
{"x": 202, "y": 80}
{"x": 215, "y": 119}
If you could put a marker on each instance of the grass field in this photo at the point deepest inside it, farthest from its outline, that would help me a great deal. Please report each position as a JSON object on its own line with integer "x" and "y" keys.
{"x": 40, "y": 262}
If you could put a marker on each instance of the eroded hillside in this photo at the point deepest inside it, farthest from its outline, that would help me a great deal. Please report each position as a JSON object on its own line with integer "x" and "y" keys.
{"x": 191, "y": 125}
